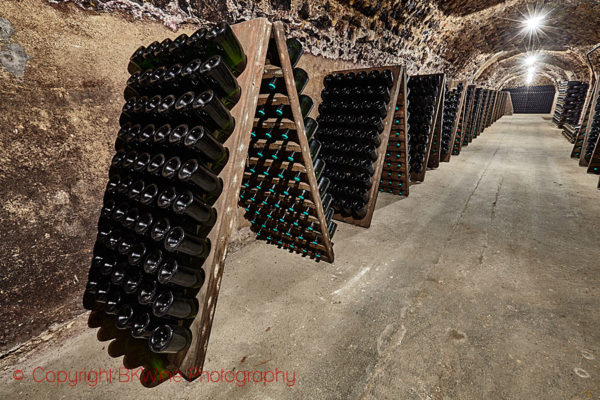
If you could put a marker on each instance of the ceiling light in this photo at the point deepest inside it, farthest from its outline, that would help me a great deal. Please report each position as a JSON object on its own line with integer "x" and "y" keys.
{"x": 532, "y": 59}
{"x": 533, "y": 23}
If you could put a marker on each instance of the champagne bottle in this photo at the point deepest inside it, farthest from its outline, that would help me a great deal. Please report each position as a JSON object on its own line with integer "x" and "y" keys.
{"x": 178, "y": 240}
{"x": 310, "y": 127}
{"x": 172, "y": 304}
{"x": 222, "y": 39}
{"x": 199, "y": 140}
{"x": 147, "y": 292}
{"x": 219, "y": 78}
{"x": 187, "y": 204}
{"x": 214, "y": 114}
{"x": 174, "y": 273}
{"x": 193, "y": 172}
{"x": 169, "y": 339}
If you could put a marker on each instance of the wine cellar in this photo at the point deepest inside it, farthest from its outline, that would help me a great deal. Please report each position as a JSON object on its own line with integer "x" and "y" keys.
{"x": 228, "y": 199}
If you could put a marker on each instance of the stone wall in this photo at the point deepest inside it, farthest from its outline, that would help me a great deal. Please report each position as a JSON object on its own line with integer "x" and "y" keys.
{"x": 62, "y": 71}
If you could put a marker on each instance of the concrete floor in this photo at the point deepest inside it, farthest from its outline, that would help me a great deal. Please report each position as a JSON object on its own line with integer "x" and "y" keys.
{"x": 483, "y": 284}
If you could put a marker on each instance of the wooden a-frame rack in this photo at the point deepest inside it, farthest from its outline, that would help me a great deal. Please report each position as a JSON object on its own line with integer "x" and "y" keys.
{"x": 395, "y": 177}
{"x": 445, "y": 157}
{"x": 465, "y": 122}
{"x": 399, "y": 81}
{"x": 439, "y": 102}
{"x": 254, "y": 36}
{"x": 299, "y": 143}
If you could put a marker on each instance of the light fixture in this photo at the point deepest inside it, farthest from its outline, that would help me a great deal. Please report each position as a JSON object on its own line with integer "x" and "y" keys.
{"x": 533, "y": 22}
{"x": 531, "y": 59}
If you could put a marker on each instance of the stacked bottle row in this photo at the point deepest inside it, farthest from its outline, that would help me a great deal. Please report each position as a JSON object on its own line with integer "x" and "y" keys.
{"x": 276, "y": 192}
{"x": 483, "y": 115}
{"x": 351, "y": 120}
{"x": 592, "y": 140}
{"x": 533, "y": 99}
{"x": 451, "y": 113}
{"x": 571, "y": 97}
{"x": 580, "y": 132}
{"x": 474, "y": 118}
{"x": 163, "y": 182}
{"x": 423, "y": 94}
{"x": 464, "y": 122}
{"x": 395, "y": 178}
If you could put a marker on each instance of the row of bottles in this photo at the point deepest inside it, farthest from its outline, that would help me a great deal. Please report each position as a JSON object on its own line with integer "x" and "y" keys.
{"x": 276, "y": 193}
{"x": 474, "y": 117}
{"x": 424, "y": 91}
{"x": 395, "y": 178}
{"x": 451, "y": 114}
{"x": 158, "y": 209}
{"x": 464, "y": 123}
{"x": 593, "y": 133}
{"x": 570, "y": 101}
{"x": 351, "y": 117}
{"x": 204, "y": 43}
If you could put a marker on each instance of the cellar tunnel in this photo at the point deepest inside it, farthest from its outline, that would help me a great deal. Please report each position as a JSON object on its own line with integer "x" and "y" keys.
{"x": 63, "y": 69}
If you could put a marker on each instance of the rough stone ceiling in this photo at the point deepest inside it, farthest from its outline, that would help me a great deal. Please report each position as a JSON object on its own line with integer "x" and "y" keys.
{"x": 467, "y": 39}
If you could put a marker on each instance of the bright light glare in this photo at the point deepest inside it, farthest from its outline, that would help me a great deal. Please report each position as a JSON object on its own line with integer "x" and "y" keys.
{"x": 531, "y": 70}
{"x": 533, "y": 22}
{"x": 530, "y": 78}
{"x": 532, "y": 59}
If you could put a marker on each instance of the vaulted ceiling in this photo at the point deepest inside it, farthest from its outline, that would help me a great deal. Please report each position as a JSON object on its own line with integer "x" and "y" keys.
{"x": 480, "y": 40}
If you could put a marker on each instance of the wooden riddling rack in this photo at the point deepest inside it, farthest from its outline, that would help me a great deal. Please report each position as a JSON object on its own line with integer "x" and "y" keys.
{"x": 395, "y": 178}
{"x": 475, "y": 116}
{"x": 253, "y": 37}
{"x": 438, "y": 105}
{"x": 593, "y": 164}
{"x": 464, "y": 123}
{"x": 486, "y": 100}
{"x": 492, "y": 107}
{"x": 398, "y": 73}
{"x": 509, "y": 110}
{"x": 320, "y": 247}
{"x": 433, "y": 160}
{"x": 577, "y": 91}
{"x": 458, "y": 119}
{"x": 583, "y": 129}
{"x": 500, "y": 106}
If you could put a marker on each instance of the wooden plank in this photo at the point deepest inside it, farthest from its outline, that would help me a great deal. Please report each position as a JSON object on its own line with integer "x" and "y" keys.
{"x": 274, "y": 122}
{"x": 457, "y": 119}
{"x": 397, "y": 72}
{"x": 582, "y": 161}
{"x": 272, "y": 71}
{"x": 254, "y": 38}
{"x": 275, "y": 99}
{"x": 398, "y": 134}
{"x": 420, "y": 177}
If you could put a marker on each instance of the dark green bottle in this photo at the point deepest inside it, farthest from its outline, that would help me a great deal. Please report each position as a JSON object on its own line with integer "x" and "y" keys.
{"x": 222, "y": 41}
{"x": 199, "y": 140}
{"x": 214, "y": 114}
{"x": 310, "y": 127}
{"x": 295, "y": 50}
{"x": 219, "y": 78}
{"x": 171, "y": 304}
{"x": 169, "y": 339}
{"x": 306, "y": 104}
